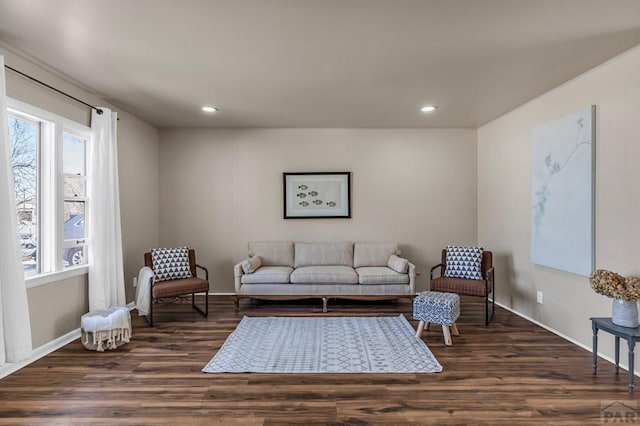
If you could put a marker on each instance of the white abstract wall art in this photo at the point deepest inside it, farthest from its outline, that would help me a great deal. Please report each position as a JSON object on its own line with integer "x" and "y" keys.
{"x": 563, "y": 193}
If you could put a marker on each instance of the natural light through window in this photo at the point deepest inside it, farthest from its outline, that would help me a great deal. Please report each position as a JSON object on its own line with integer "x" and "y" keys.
{"x": 73, "y": 168}
{"x": 49, "y": 162}
{"x": 24, "y": 136}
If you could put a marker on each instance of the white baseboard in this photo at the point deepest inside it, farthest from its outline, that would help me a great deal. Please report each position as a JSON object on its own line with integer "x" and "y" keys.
{"x": 40, "y": 352}
{"x": 575, "y": 342}
{"x": 46, "y": 349}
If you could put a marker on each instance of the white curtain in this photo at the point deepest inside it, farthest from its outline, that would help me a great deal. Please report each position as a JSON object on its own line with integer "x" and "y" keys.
{"x": 106, "y": 275}
{"x": 15, "y": 327}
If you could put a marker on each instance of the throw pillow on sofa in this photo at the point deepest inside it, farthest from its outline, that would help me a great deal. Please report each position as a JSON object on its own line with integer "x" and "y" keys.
{"x": 250, "y": 265}
{"x": 398, "y": 264}
{"x": 464, "y": 262}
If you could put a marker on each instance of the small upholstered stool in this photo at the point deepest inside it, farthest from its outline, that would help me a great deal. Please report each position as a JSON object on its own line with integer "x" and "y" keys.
{"x": 439, "y": 308}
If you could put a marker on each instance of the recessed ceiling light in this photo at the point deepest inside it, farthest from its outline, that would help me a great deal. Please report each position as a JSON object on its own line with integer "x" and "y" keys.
{"x": 209, "y": 109}
{"x": 428, "y": 108}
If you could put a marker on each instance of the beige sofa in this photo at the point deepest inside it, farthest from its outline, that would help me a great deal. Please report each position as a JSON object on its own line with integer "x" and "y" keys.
{"x": 346, "y": 270}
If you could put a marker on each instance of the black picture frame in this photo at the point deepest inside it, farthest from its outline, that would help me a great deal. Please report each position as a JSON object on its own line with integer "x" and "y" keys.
{"x": 317, "y": 195}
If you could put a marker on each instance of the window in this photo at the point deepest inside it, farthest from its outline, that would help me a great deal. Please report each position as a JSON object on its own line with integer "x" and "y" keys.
{"x": 75, "y": 185}
{"x": 24, "y": 135}
{"x": 49, "y": 161}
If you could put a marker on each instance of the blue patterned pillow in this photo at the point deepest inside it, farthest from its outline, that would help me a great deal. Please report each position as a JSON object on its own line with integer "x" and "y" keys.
{"x": 464, "y": 262}
{"x": 171, "y": 263}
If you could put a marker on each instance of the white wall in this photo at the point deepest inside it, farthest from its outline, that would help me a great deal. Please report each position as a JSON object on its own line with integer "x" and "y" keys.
{"x": 504, "y": 206}
{"x": 55, "y": 308}
{"x": 223, "y": 188}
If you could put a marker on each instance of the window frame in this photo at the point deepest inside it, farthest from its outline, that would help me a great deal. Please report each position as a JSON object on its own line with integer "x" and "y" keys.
{"x": 51, "y": 200}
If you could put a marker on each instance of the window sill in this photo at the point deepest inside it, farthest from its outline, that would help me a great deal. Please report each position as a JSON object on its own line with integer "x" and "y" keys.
{"x": 53, "y": 277}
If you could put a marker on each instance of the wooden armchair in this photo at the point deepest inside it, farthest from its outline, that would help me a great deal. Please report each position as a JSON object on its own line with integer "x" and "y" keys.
{"x": 468, "y": 287}
{"x": 179, "y": 287}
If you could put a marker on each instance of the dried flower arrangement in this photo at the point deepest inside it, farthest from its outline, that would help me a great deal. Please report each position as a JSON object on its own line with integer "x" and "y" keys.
{"x": 616, "y": 286}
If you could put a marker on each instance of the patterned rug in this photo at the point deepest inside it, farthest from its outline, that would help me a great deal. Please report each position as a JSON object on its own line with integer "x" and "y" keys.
{"x": 323, "y": 345}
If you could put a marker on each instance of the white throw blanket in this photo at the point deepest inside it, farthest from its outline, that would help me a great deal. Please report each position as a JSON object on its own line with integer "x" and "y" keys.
{"x": 106, "y": 329}
{"x": 143, "y": 297}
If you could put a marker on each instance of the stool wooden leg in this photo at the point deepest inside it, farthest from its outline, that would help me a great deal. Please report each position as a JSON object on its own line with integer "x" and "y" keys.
{"x": 447, "y": 335}
{"x": 428, "y": 325}
{"x": 454, "y": 330}
{"x": 420, "y": 329}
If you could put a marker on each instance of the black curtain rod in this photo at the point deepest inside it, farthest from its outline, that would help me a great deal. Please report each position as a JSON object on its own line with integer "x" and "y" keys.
{"x": 98, "y": 110}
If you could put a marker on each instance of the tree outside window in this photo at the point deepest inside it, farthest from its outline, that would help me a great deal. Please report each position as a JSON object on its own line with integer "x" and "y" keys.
{"x": 23, "y": 137}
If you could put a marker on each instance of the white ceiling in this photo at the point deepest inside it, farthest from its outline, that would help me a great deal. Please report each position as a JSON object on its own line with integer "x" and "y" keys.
{"x": 320, "y": 63}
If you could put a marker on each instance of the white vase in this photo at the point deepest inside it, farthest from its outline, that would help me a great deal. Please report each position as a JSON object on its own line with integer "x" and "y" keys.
{"x": 625, "y": 313}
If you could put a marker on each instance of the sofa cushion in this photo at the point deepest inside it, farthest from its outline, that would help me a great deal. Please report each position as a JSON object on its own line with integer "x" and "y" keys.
{"x": 250, "y": 265}
{"x": 380, "y": 275}
{"x": 335, "y": 253}
{"x": 273, "y": 253}
{"x": 398, "y": 264}
{"x": 324, "y": 274}
{"x": 373, "y": 254}
{"x": 268, "y": 275}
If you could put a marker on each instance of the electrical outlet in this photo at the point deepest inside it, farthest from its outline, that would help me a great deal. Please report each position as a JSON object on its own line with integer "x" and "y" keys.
{"x": 539, "y": 297}
{"x": 135, "y": 282}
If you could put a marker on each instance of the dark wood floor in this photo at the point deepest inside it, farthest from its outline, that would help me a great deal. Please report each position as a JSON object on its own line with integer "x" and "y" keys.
{"x": 512, "y": 372}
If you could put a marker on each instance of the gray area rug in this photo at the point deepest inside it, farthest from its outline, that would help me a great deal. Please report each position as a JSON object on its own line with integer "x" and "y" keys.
{"x": 323, "y": 345}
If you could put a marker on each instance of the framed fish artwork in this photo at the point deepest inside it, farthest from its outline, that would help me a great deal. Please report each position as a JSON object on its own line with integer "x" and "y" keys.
{"x": 323, "y": 195}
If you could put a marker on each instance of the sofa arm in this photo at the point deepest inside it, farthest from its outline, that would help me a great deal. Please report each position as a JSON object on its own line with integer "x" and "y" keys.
{"x": 237, "y": 275}
{"x": 412, "y": 278}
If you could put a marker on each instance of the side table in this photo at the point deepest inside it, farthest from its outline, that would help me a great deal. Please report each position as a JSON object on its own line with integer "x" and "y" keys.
{"x": 632, "y": 335}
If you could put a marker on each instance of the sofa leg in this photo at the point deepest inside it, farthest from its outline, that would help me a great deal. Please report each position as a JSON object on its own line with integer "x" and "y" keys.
{"x": 236, "y": 301}
{"x": 324, "y": 304}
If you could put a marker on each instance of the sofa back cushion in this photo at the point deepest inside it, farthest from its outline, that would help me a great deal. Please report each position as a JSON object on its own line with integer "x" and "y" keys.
{"x": 316, "y": 254}
{"x": 273, "y": 253}
{"x": 373, "y": 254}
